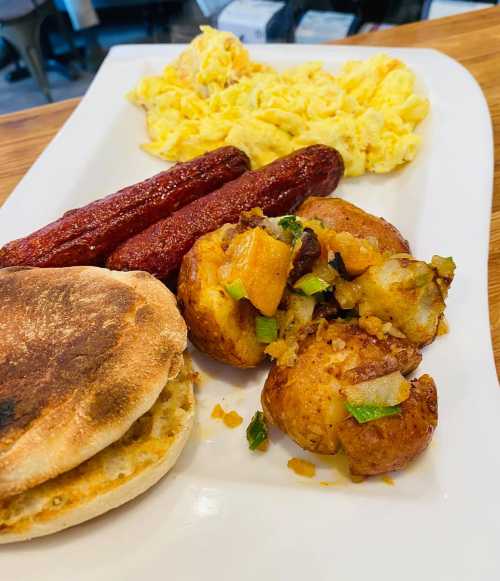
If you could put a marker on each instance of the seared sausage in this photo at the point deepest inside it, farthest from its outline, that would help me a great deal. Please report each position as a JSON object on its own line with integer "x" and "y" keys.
{"x": 390, "y": 443}
{"x": 86, "y": 236}
{"x": 276, "y": 188}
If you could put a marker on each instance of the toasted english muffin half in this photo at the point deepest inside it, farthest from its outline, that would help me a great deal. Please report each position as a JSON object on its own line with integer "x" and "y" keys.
{"x": 117, "y": 474}
{"x": 84, "y": 352}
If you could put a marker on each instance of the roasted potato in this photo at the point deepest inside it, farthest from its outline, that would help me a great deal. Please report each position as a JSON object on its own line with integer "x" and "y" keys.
{"x": 357, "y": 254}
{"x": 307, "y": 400}
{"x": 390, "y": 443}
{"x": 218, "y": 325}
{"x": 256, "y": 268}
{"x": 406, "y": 292}
{"x": 260, "y": 264}
{"x": 342, "y": 216}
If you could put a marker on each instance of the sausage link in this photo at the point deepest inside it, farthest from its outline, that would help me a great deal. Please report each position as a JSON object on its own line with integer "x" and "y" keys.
{"x": 87, "y": 235}
{"x": 276, "y": 188}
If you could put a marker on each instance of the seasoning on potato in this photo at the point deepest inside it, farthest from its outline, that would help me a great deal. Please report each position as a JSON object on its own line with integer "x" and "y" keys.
{"x": 214, "y": 95}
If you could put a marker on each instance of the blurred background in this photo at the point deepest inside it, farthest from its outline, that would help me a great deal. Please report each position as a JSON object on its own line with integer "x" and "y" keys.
{"x": 51, "y": 49}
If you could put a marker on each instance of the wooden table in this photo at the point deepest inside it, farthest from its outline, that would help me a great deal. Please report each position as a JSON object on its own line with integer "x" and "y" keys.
{"x": 473, "y": 39}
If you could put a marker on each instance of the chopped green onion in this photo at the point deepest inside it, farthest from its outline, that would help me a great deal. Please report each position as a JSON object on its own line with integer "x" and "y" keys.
{"x": 266, "y": 329}
{"x": 256, "y": 431}
{"x": 236, "y": 289}
{"x": 293, "y": 225}
{"x": 311, "y": 284}
{"x": 367, "y": 413}
{"x": 338, "y": 264}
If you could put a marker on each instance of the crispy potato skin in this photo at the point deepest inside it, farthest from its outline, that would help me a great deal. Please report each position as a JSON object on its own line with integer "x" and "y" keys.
{"x": 307, "y": 412}
{"x": 342, "y": 216}
{"x": 218, "y": 325}
{"x": 390, "y": 443}
{"x": 305, "y": 401}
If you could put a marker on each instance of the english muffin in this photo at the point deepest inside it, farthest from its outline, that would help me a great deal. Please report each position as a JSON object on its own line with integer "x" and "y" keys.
{"x": 88, "y": 366}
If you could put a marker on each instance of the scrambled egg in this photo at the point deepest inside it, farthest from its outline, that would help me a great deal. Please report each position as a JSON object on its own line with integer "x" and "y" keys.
{"x": 214, "y": 95}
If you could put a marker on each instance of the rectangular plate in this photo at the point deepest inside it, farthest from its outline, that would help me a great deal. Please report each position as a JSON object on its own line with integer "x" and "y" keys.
{"x": 224, "y": 513}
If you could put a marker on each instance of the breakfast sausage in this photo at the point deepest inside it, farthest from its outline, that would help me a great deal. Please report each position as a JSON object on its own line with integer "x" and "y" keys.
{"x": 276, "y": 188}
{"x": 85, "y": 236}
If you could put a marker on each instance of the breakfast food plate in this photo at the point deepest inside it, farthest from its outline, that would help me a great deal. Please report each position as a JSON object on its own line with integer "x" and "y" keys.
{"x": 224, "y": 512}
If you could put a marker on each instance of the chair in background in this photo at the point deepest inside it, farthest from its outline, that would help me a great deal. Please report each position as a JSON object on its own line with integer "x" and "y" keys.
{"x": 155, "y": 14}
{"x": 20, "y": 25}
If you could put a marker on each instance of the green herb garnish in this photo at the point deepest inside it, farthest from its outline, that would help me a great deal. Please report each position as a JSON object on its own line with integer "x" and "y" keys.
{"x": 293, "y": 225}
{"x": 311, "y": 284}
{"x": 236, "y": 289}
{"x": 367, "y": 413}
{"x": 266, "y": 329}
{"x": 256, "y": 431}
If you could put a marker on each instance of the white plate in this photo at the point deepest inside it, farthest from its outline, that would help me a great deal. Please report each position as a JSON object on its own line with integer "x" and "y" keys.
{"x": 224, "y": 513}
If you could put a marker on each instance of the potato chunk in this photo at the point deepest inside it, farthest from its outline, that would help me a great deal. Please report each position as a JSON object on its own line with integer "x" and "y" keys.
{"x": 262, "y": 264}
{"x": 342, "y": 216}
{"x": 307, "y": 400}
{"x": 387, "y": 390}
{"x": 390, "y": 443}
{"x": 357, "y": 254}
{"x": 406, "y": 292}
{"x": 218, "y": 325}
